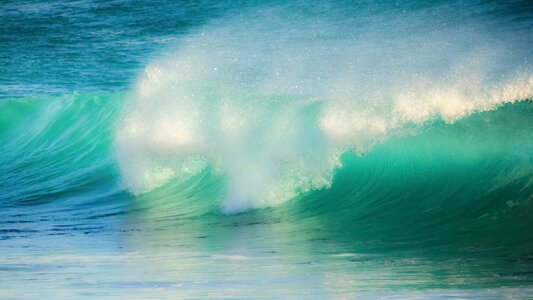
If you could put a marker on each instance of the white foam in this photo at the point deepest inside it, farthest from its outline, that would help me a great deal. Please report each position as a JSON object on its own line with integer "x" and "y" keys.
{"x": 272, "y": 102}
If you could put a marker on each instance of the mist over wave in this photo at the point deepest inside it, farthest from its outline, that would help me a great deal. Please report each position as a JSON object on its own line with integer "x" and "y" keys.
{"x": 271, "y": 98}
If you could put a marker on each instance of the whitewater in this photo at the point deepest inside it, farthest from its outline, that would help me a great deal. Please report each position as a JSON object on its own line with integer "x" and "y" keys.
{"x": 252, "y": 150}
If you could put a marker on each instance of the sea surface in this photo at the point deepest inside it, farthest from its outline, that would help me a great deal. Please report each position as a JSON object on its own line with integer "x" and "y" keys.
{"x": 266, "y": 149}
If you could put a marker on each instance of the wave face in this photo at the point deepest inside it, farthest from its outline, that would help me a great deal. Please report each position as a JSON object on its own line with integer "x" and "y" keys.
{"x": 57, "y": 148}
{"x": 447, "y": 185}
{"x": 476, "y": 170}
{"x": 378, "y": 147}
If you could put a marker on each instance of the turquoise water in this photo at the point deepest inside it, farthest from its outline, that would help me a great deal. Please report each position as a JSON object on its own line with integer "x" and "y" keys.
{"x": 270, "y": 149}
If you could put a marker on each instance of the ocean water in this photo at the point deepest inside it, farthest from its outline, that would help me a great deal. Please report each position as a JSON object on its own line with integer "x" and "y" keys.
{"x": 266, "y": 149}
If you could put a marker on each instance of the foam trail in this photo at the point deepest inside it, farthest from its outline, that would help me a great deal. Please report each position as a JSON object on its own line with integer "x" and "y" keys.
{"x": 272, "y": 100}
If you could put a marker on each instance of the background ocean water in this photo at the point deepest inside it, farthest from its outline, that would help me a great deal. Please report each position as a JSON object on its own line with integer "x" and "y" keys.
{"x": 179, "y": 149}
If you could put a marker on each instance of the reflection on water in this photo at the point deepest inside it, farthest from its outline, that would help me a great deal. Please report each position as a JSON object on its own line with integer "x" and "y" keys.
{"x": 149, "y": 254}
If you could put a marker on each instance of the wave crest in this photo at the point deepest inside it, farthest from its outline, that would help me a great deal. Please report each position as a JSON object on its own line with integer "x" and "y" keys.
{"x": 272, "y": 104}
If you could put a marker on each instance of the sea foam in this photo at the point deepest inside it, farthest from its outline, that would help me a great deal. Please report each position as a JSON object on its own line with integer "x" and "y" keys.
{"x": 271, "y": 100}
